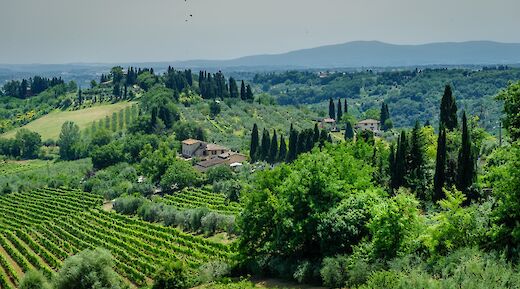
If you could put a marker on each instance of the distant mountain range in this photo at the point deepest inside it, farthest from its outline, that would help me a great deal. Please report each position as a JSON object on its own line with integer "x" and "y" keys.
{"x": 377, "y": 54}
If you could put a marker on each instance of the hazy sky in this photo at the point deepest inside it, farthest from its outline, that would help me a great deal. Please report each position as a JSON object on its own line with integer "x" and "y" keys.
{"x": 65, "y": 31}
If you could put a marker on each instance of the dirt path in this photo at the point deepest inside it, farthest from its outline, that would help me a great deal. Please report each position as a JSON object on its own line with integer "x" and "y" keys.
{"x": 278, "y": 283}
{"x": 107, "y": 206}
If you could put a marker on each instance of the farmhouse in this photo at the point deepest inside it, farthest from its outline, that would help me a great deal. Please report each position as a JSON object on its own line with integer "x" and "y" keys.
{"x": 369, "y": 124}
{"x": 196, "y": 148}
{"x": 232, "y": 159}
{"x": 327, "y": 123}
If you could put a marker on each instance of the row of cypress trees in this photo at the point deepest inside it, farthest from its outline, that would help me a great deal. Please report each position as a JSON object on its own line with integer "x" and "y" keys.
{"x": 407, "y": 161}
{"x": 341, "y": 111}
{"x": 270, "y": 150}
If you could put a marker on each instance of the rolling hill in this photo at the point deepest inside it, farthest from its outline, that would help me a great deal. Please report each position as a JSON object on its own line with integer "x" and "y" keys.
{"x": 378, "y": 54}
{"x": 49, "y": 126}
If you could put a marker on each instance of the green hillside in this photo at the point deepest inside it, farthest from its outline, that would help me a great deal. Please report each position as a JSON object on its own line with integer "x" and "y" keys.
{"x": 49, "y": 126}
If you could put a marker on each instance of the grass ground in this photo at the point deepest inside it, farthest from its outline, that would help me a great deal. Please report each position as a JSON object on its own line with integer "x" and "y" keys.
{"x": 49, "y": 126}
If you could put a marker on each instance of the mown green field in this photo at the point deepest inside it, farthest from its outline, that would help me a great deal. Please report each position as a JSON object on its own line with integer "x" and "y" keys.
{"x": 49, "y": 126}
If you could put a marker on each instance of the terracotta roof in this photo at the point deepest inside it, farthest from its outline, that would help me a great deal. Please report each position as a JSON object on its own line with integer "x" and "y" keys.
{"x": 329, "y": 120}
{"x": 211, "y": 162}
{"x": 215, "y": 147}
{"x": 368, "y": 121}
{"x": 190, "y": 141}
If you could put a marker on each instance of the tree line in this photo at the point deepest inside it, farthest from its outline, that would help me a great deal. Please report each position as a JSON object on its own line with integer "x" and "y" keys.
{"x": 270, "y": 150}
{"x": 29, "y": 87}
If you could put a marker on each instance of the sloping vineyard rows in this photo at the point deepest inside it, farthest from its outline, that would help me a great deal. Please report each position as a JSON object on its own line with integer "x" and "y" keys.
{"x": 138, "y": 247}
{"x": 19, "y": 210}
{"x": 198, "y": 198}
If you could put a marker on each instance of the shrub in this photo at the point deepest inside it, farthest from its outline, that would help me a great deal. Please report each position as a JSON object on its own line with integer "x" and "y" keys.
{"x": 127, "y": 205}
{"x": 213, "y": 271}
{"x": 334, "y": 271}
{"x": 34, "y": 280}
{"x": 88, "y": 269}
{"x": 173, "y": 275}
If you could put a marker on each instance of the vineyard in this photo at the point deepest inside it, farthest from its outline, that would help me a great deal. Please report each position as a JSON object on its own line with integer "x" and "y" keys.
{"x": 42, "y": 228}
{"x": 191, "y": 198}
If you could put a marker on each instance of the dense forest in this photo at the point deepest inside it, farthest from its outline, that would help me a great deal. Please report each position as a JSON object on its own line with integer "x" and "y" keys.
{"x": 411, "y": 94}
{"x": 423, "y": 203}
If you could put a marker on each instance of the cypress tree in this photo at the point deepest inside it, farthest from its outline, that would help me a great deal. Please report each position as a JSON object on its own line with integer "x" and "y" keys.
{"x": 253, "y": 150}
{"x": 466, "y": 161}
{"x": 340, "y": 112}
{"x": 273, "y": 150}
{"x": 401, "y": 160}
{"x": 349, "y": 131}
{"x": 448, "y": 115}
{"x": 323, "y": 137}
{"x": 107, "y": 122}
{"x": 440, "y": 166}
{"x": 293, "y": 139}
{"x": 301, "y": 145}
{"x": 316, "y": 136}
{"x": 249, "y": 92}
{"x": 233, "y": 88}
{"x": 282, "y": 153}
{"x": 392, "y": 168}
{"x": 332, "y": 110}
{"x": 309, "y": 141}
{"x": 80, "y": 97}
{"x": 243, "y": 91}
{"x": 265, "y": 146}
{"x": 345, "y": 110}
{"x": 383, "y": 116}
{"x": 417, "y": 160}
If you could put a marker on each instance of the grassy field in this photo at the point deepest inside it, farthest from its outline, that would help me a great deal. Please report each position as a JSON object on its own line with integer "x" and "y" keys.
{"x": 49, "y": 126}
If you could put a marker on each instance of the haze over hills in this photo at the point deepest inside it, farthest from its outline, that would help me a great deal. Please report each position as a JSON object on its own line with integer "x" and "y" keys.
{"x": 379, "y": 54}
{"x": 355, "y": 54}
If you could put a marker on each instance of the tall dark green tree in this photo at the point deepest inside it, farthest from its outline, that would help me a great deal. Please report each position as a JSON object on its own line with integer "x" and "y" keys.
{"x": 340, "y": 111}
{"x": 293, "y": 140}
{"x": 383, "y": 115}
{"x": 345, "y": 110}
{"x": 80, "y": 97}
{"x": 466, "y": 160}
{"x": 233, "y": 88}
{"x": 265, "y": 146}
{"x": 401, "y": 156}
{"x": 282, "y": 153}
{"x": 273, "y": 150}
{"x": 243, "y": 95}
{"x": 349, "y": 131}
{"x": 391, "y": 167}
{"x": 448, "y": 115}
{"x": 249, "y": 92}
{"x": 253, "y": 149}
{"x": 417, "y": 171}
{"x": 332, "y": 109}
{"x": 440, "y": 166}
{"x": 316, "y": 136}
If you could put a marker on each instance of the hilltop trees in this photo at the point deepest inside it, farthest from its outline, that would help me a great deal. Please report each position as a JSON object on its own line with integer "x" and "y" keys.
{"x": 233, "y": 88}
{"x": 273, "y": 149}
{"x": 448, "y": 114}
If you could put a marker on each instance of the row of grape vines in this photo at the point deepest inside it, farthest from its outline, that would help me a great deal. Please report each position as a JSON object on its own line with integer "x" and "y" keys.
{"x": 68, "y": 225}
{"x": 199, "y": 198}
{"x": 19, "y": 210}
